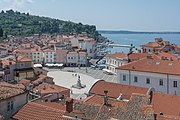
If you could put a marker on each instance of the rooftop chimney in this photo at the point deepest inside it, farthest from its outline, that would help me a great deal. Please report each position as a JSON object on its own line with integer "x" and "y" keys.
{"x": 105, "y": 97}
{"x": 69, "y": 105}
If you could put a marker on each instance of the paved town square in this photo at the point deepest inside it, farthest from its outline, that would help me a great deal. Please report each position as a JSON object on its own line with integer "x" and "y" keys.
{"x": 68, "y": 76}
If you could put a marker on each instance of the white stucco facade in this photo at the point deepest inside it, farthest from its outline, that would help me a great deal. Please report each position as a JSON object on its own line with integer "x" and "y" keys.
{"x": 112, "y": 63}
{"x": 169, "y": 84}
{"x": 15, "y": 102}
{"x": 49, "y": 57}
{"x": 73, "y": 60}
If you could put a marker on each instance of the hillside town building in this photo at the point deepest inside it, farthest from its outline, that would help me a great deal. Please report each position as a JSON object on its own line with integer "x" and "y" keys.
{"x": 152, "y": 71}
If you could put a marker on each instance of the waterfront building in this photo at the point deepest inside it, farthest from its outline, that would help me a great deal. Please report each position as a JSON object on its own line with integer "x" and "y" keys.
{"x": 49, "y": 56}
{"x": 115, "y": 60}
{"x": 76, "y": 58}
{"x": 61, "y": 56}
{"x": 158, "y": 46}
{"x": 152, "y": 71}
{"x": 89, "y": 45}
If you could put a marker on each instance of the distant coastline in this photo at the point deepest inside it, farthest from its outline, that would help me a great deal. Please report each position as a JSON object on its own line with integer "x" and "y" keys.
{"x": 133, "y": 32}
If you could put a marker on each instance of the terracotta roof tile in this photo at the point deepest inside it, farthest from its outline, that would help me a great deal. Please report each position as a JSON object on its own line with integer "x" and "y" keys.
{"x": 46, "y": 88}
{"x": 41, "y": 111}
{"x": 115, "y": 89}
{"x": 96, "y": 99}
{"x": 117, "y": 55}
{"x": 8, "y": 90}
{"x": 22, "y": 58}
{"x": 153, "y": 64}
{"x": 151, "y": 44}
{"x": 137, "y": 56}
{"x": 166, "y": 55}
{"x": 167, "y": 104}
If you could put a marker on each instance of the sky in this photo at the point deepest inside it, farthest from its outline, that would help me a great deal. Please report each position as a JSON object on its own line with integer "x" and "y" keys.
{"x": 133, "y": 15}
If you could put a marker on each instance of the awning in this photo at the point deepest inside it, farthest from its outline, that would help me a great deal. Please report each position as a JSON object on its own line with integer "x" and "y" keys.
{"x": 37, "y": 65}
{"x": 108, "y": 70}
{"x": 55, "y": 65}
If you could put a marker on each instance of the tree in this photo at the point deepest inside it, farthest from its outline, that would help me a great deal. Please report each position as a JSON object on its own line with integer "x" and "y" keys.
{"x": 1, "y": 32}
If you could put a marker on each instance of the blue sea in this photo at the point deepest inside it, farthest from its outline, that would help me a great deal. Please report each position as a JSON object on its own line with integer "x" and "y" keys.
{"x": 138, "y": 39}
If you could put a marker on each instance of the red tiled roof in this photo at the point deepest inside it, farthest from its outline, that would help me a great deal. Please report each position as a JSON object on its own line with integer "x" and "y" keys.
{"x": 8, "y": 90}
{"x": 151, "y": 44}
{"x": 96, "y": 99}
{"x": 115, "y": 89}
{"x": 59, "y": 50}
{"x": 24, "y": 82}
{"x": 7, "y": 62}
{"x": 22, "y": 59}
{"x": 117, "y": 55}
{"x": 48, "y": 50}
{"x": 137, "y": 56}
{"x": 45, "y": 88}
{"x": 41, "y": 111}
{"x": 166, "y": 55}
{"x": 168, "y": 104}
{"x": 28, "y": 50}
{"x": 153, "y": 64}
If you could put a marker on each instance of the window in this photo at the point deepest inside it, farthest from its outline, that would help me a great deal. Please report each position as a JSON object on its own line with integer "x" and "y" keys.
{"x": 124, "y": 77}
{"x": 161, "y": 82}
{"x": 174, "y": 83}
{"x": 8, "y": 106}
{"x": 135, "y": 79}
{"x": 147, "y": 80}
{"x": 12, "y": 105}
{"x": 22, "y": 64}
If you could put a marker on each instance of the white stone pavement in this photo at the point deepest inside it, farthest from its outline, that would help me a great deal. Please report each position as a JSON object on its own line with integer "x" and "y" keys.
{"x": 66, "y": 79}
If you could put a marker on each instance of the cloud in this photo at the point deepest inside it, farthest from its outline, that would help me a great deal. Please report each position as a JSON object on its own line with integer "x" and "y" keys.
{"x": 18, "y": 5}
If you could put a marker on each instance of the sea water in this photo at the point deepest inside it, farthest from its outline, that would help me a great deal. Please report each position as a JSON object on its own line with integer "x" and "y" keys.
{"x": 138, "y": 39}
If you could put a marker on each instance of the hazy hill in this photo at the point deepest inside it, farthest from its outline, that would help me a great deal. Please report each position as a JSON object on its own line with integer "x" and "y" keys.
{"x": 16, "y": 23}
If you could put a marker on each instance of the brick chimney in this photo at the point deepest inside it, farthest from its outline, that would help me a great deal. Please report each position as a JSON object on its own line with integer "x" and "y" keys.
{"x": 69, "y": 105}
{"x": 106, "y": 98}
